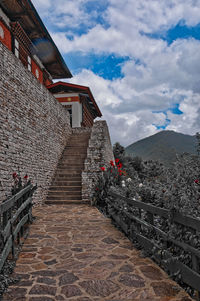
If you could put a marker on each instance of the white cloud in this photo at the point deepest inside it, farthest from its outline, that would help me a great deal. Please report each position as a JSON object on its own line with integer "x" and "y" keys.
{"x": 156, "y": 77}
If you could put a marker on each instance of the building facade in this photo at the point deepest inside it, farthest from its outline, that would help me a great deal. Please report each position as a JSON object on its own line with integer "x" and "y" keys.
{"x": 23, "y": 33}
{"x": 79, "y": 102}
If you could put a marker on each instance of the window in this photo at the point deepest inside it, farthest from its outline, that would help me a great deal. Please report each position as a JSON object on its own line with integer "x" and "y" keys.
{"x": 16, "y": 48}
{"x": 29, "y": 63}
{"x": 1, "y": 32}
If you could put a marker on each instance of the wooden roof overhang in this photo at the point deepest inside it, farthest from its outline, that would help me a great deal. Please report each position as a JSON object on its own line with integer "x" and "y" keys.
{"x": 82, "y": 90}
{"x": 25, "y": 13}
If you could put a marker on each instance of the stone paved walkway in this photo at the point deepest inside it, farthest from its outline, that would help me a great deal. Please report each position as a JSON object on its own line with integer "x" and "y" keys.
{"x": 75, "y": 253}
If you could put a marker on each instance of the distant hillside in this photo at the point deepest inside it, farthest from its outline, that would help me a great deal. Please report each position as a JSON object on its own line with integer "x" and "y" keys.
{"x": 162, "y": 146}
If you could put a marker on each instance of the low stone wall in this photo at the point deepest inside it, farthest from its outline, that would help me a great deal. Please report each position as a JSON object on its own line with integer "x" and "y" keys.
{"x": 81, "y": 130}
{"x": 99, "y": 154}
{"x": 34, "y": 127}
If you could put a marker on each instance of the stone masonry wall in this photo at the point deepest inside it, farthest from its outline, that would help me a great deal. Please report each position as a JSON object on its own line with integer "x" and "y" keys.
{"x": 34, "y": 127}
{"x": 99, "y": 154}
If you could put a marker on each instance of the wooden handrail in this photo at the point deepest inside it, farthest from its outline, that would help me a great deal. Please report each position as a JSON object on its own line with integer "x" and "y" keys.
{"x": 14, "y": 214}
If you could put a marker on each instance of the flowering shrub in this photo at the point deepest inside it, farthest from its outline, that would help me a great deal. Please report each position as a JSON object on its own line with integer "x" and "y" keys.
{"x": 18, "y": 184}
{"x": 110, "y": 177}
{"x": 176, "y": 188}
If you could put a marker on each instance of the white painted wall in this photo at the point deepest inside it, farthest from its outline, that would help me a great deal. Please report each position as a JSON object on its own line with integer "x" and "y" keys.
{"x": 76, "y": 112}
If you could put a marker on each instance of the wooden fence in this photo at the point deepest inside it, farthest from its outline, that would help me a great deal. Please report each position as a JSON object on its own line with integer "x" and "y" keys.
{"x": 135, "y": 225}
{"x": 14, "y": 214}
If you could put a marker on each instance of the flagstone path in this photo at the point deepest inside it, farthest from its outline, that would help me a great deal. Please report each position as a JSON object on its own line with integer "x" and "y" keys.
{"x": 74, "y": 253}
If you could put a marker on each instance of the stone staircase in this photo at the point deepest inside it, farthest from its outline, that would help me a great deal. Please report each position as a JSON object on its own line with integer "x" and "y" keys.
{"x": 66, "y": 187}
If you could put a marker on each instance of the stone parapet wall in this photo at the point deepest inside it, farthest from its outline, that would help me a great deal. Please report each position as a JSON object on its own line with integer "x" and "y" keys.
{"x": 99, "y": 154}
{"x": 81, "y": 130}
{"x": 34, "y": 127}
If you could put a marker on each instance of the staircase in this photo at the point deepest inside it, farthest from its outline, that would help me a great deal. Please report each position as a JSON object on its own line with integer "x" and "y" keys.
{"x": 66, "y": 187}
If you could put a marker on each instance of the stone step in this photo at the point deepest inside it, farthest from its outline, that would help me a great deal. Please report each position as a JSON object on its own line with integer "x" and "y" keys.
{"x": 71, "y": 163}
{"x": 69, "y": 167}
{"x": 67, "y": 178}
{"x": 78, "y": 139}
{"x": 78, "y": 145}
{"x": 64, "y": 194}
{"x": 76, "y": 152}
{"x": 65, "y": 188}
{"x": 62, "y": 183}
{"x": 74, "y": 160}
{"x": 67, "y": 197}
{"x": 73, "y": 155}
{"x": 67, "y": 174}
{"x": 66, "y": 202}
{"x": 77, "y": 142}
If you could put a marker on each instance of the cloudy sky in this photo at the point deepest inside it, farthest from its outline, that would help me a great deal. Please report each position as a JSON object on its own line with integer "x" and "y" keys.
{"x": 141, "y": 60}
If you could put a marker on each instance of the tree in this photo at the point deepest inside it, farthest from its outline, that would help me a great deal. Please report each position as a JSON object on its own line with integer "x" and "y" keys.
{"x": 198, "y": 143}
{"x": 118, "y": 151}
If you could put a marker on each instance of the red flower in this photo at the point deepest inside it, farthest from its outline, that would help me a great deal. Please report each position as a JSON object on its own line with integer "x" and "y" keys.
{"x": 119, "y": 165}
{"x": 97, "y": 188}
{"x": 26, "y": 177}
{"x": 102, "y": 168}
{"x": 112, "y": 163}
{"x": 14, "y": 175}
{"x": 120, "y": 172}
{"x": 196, "y": 181}
{"x": 116, "y": 160}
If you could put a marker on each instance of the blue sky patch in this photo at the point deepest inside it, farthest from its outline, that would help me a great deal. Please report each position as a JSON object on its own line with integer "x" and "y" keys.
{"x": 167, "y": 122}
{"x": 175, "y": 109}
{"x": 107, "y": 66}
{"x": 96, "y": 9}
{"x": 180, "y": 31}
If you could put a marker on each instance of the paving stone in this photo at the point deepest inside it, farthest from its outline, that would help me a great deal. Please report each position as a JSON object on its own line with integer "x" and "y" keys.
{"x": 27, "y": 255}
{"x": 165, "y": 289}
{"x": 77, "y": 250}
{"x": 132, "y": 280}
{"x": 126, "y": 268}
{"x": 44, "y": 298}
{"x": 50, "y": 262}
{"x": 25, "y": 283}
{"x": 67, "y": 278}
{"x": 59, "y": 298}
{"x": 94, "y": 267}
{"x": 120, "y": 257}
{"x": 151, "y": 272}
{"x": 104, "y": 264}
{"x": 101, "y": 288}
{"x": 15, "y": 292}
{"x": 46, "y": 280}
{"x": 48, "y": 273}
{"x": 71, "y": 291}
{"x": 83, "y": 299}
{"x": 39, "y": 289}
{"x": 109, "y": 240}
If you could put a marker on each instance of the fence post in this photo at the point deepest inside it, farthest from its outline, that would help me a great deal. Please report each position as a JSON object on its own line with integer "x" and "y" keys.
{"x": 150, "y": 218}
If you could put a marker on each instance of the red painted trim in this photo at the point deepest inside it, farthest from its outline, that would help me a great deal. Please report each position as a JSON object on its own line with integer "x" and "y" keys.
{"x": 35, "y": 67}
{"x": 7, "y": 36}
{"x": 66, "y": 99}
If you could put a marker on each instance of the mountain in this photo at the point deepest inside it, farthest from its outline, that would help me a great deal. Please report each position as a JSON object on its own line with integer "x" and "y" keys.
{"x": 163, "y": 146}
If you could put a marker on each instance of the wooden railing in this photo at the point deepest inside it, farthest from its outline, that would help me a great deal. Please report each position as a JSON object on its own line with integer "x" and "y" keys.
{"x": 14, "y": 214}
{"x": 135, "y": 225}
